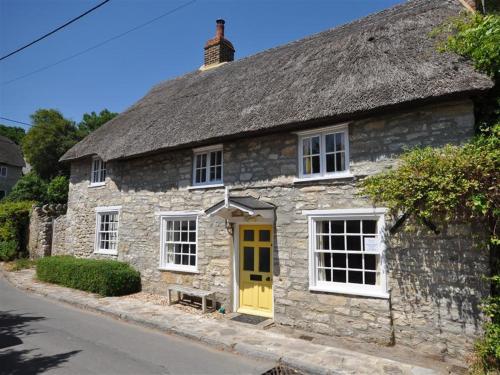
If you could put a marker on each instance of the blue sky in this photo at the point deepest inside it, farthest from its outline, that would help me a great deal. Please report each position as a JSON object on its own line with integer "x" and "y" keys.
{"x": 117, "y": 74}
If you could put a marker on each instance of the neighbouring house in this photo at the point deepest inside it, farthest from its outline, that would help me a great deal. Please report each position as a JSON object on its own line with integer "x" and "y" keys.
{"x": 11, "y": 165}
{"x": 241, "y": 178}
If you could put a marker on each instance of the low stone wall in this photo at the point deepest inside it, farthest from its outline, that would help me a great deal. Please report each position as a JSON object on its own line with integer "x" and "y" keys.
{"x": 59, "y": 235}
{"x": 41, "y": 229}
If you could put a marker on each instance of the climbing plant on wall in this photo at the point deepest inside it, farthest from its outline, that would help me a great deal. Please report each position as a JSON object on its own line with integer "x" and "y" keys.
{"x": 458, "y": 183}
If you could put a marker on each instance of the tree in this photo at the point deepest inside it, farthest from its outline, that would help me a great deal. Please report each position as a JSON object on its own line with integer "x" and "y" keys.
{"x": 29, "y": 188}
{"x": 57, "y": 190}
{"x": 14, "y": 133}
{"x": 49, "y": 138}
{"x": 92, "y": 121}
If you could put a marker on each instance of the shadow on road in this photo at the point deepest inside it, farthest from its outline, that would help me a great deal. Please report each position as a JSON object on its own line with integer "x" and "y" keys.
{"x": 25, "y": 361}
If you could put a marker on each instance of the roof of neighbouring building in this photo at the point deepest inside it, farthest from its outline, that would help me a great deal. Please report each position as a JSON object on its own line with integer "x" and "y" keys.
{"x": 380, "y": 61}
{"x": 10, "y": 153}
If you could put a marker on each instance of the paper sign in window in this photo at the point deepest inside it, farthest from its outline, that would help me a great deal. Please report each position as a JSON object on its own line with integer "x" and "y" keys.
{"x": 372, "y": 245}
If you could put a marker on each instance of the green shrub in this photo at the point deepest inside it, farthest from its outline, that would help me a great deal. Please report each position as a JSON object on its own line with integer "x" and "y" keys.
{"x": 29, "y": 188}
{"x": 14, "y": 223}
{"x": 105, "y": 277}
{"x": 57, "y": 190}
{"x": 8, "y": 250}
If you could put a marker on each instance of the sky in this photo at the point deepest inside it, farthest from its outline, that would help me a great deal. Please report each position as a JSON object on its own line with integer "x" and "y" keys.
{"x": 120, "y": 72}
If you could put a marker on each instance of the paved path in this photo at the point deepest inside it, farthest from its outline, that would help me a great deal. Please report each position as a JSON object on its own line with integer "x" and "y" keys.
{"x": 43, "y": 336}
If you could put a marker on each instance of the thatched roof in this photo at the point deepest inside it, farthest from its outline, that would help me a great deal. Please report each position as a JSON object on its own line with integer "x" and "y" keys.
{"x": 10, "y": 153}
{"x": 379, "y": 61}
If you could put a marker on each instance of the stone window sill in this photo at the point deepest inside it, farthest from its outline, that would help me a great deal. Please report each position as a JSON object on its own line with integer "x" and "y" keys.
{"x": 208, "y": 186}
{"x": 96, "y": 184}
{"x": 350, "y": 291}
{"x": 104, "y": 252}
{"x": 178, "y": 269}
{"x": 339, "y": 176}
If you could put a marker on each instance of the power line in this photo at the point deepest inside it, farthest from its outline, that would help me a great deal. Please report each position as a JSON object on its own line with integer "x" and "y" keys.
{"x": 100, "y": 44}
{"x": 18, "y": 122}
{"x": 54, "y": 31}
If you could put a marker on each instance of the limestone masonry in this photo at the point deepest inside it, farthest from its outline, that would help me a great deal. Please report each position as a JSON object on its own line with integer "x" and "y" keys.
{"x": 434, "y": 281}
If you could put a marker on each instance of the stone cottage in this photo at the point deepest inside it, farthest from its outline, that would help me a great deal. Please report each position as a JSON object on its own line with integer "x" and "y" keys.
{"x": 241, "y": 178}
{"x": 11, "y": 165}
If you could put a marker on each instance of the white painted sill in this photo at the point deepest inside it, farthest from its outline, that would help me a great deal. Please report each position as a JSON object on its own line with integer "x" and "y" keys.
{"x": 350, "y": 291}
{"x": 97, "y": 184}
{"x": 322, "y": 178}
{"x": 196, "y": 187}
{"x": 178, "y": 269}
{"x": 104, "y": 252}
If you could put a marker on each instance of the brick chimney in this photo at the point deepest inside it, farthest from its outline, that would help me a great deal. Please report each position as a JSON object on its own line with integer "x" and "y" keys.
{"x": 218, "y": 49}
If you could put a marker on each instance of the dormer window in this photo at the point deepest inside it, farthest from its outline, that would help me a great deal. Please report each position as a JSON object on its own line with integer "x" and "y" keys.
{"x": 98, "y": 173}
{"x": 324, "y": 153}
{"x": 208, "y": 166}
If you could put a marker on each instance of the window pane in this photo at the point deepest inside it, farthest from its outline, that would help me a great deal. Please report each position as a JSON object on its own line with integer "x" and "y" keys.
{"x": 192, "y": 261}
{"x": 264, "y": 259}
{"x": 248, "y": 235}
{"x": 322, "y": 227}
{"x": 315, "y": 145}
{"x": 369, "y": 226}
{"x": 353, "y": 226}
{"x": 306, "y": 165}
{"x": 355, "y": 261}
{"x": 306, "y": 146}
{"x": 330, "y": 142}
{"x": 340, "y": 162}
{"x": 192, "y": 236}
{"x": 264, "y": 235}
{"x": 356, "y": 277}
{"x": 370, "y": 262}
{"x": 338, "y": 260}
{"x": 339, "y": 142}
{"x": 339, "y": 276}
{"x": 248, "y": 258}
{"x": 323, "y": 242}
{"x": 338, "y": 243}
{"x": 370, "y": 278}
{"x": 353, "y": 243}
{"x": 337, "y": 226}
{"x": 315, "y": 164}
{"x": 330, "y": 162}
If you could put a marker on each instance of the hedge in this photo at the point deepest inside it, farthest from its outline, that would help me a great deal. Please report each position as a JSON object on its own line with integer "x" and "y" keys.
{"x": 14, "y": 223}
{"x": 105, "y": 277}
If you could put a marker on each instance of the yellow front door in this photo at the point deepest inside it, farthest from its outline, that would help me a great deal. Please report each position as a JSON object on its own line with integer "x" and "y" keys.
{"x": 256, "y": 270}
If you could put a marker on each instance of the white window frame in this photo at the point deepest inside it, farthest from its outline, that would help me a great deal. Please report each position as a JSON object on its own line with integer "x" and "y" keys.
{"x": 177, "y": 215}
{"x": 207, "y": 151}
{"x": 378, "y": 214}
{"x": 102, "y": 211}
{"x": 322, "y": 133}
{"x": 3, "y": 171}
{"x": 102, "y": 166}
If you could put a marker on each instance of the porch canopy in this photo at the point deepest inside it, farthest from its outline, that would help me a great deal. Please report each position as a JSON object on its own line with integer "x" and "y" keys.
{"x": 234, "y": 208}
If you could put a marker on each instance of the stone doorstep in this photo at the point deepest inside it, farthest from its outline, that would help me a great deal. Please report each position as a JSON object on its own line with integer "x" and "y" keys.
{"x": 224, "y": 334}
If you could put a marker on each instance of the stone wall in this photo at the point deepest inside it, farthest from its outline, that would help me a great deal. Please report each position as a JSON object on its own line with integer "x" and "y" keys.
{"x": 41, "y": 229}
{"x": 424, "y": 307}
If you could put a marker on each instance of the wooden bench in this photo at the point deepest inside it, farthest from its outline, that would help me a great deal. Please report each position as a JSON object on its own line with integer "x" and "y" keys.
{"x": 203, "y": 294}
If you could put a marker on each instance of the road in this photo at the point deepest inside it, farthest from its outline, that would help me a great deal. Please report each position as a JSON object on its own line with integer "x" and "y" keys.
{"x": 39, "y": 336}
